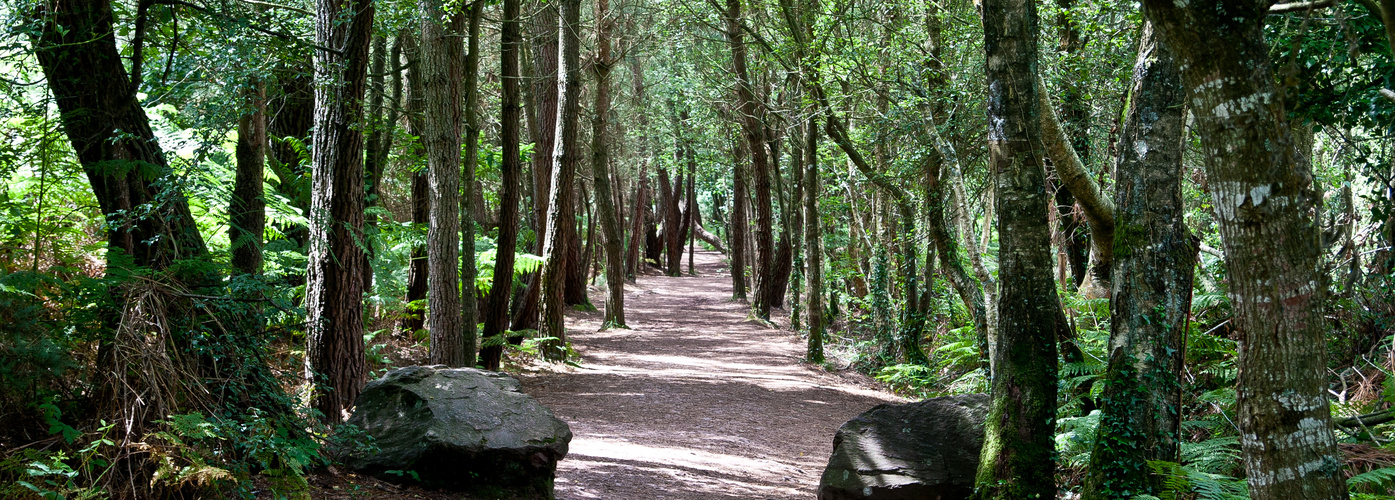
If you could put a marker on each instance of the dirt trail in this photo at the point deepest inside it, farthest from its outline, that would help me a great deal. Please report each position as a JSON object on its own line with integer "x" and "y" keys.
{"x": 694, "y": 402}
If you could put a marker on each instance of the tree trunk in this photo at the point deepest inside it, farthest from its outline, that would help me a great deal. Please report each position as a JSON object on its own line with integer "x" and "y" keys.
{"x": 291, "y": 123}
{"x": 374, "y": 154}
{"x": 1018, "y": 457}
{"x": 417, "y": 271}
{"x": 112, "y": 136}
{"x": 1262, "y": 189}
{"x": 691, "y": 213}
{"x": 443, "y": 61}
{"x": 334, "y": 361}
{"x": 496, "y": 314}
{"x": 544, "y": 33}
{"x": 600, "y": 172}
{"x": 469, "y": 294}
{"x": 673, "y": 243}
{"x": 813, "y": 244}
{"x": 641, "y": 198}
{"x": 1098, "y": 207}
{"x": 565, "y": 157}
{"x": 247, "y": 210}
{"x": 760, "y": 167}
{"x": 1153, "y": 266}
{"x": 736, "y": 233}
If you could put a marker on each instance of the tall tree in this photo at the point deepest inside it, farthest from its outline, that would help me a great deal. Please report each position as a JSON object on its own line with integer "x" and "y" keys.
{"x": 443, "y": 61}
{"x": 737, "y": 232}
{"x": 247, "y": 209}
{"x": 496, "y": 315}
{"x": 1153, "y": 265}
{"x": 334, "y": 362}
{"x": 1262, "y": 190}
{"x": 813, "y": 243}
{"x": 600, "y": 172}
{"x": 753, "y": 129}
{"x": 374, "y": 150}
{"x": 565, "y": 157}
{"x": 469, "y": 296}
{"x": 418, "y": 269}
{"x": 1018, "y": 448}
{"x": 110, "y": 133}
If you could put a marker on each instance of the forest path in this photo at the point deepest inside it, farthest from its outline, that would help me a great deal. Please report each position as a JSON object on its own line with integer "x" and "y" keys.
{"x": 695, "y": 401}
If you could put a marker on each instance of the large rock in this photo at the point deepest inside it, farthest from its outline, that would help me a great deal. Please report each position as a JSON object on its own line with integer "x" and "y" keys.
{"x": 914, "y": 451}
{"x": 460, "y": 428}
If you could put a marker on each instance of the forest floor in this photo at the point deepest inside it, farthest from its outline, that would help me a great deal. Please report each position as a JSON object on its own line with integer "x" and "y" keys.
{"x": 695, "y": 401}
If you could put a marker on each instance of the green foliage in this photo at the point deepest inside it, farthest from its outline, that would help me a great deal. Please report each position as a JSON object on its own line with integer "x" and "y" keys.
{"x": 1374, "y": 482}
{"x": 1181, "y": 481}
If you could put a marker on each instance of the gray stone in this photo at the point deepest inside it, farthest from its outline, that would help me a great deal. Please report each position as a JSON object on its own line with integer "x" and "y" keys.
{"x": 914, "y": 451}
{"x": 459, "y": 428}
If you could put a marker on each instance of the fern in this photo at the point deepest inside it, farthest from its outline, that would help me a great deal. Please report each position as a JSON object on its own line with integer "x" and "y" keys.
{"x": 1378, "y": 481}
{"x": 1215, "y": 456}
{"x": 1181, "y": 480}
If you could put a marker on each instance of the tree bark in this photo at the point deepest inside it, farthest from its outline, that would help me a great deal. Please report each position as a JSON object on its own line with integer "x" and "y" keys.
{"x": 247, "y": 210}
{"x": 600, "y": 172}
{"x": 1263, "y": 194}
{"x": 469, "y": 294}
{"x": 443, "y": 61}
{"x": 736, "y": 233}
{"x": 641, "y": 198}
{"x": 418, "y": 270}
{"x": 760, "y": 168}
{"x": 334, "y": 361}
{"x": 813, "y": 244}
{"x": 1018, "y": 448}
{"x": 374, "y": 151}
{"x": 673, "y": 244}
{"x": 1098, "y": 207}
{"x": 496, "y": 315}
{"x": 565, "y": 157}
{"x": 1153, "y": 266}
{"x": 544, "y": 33}
{"x": 111, "y": 135}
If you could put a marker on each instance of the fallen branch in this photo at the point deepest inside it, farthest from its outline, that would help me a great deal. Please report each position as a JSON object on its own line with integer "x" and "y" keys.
{"x": 1368, "y": 419}
{"x": 1285, "y": 8}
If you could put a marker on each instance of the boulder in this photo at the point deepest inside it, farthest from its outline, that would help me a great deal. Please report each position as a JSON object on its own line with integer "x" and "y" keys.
{"x": 459, "y": 428}
{"x": 914, "y": 451}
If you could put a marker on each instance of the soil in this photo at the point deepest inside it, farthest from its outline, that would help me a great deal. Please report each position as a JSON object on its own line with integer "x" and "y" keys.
{"x": 695, "y": 400}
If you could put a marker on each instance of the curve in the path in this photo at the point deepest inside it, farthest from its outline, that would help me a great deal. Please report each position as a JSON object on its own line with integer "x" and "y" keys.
{"x": 695, "y": 401}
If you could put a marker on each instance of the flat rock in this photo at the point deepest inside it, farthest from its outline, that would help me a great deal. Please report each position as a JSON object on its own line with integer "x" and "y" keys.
{"x": 914, "y": 451}
{"x": 459, "y": 428}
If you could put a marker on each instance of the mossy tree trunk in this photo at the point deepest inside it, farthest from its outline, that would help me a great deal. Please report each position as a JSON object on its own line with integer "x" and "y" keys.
{"x": 1018, "y": 457}
{"x": 1154, "y": 256}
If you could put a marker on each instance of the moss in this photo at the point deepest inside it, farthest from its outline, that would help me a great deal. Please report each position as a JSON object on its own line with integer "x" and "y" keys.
{"x": 1127, "y": 237}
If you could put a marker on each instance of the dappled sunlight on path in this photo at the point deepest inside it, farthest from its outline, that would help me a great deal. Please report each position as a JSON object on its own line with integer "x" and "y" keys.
{"x": 695, "y": 401}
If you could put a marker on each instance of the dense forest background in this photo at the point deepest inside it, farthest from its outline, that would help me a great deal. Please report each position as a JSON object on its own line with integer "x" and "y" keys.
{"x": 1160, "y": 235}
